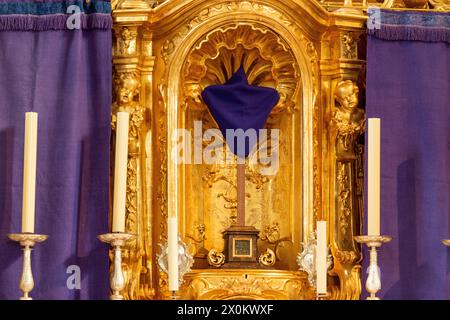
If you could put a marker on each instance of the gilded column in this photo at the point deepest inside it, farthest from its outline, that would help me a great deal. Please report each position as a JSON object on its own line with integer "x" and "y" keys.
{"x": 132, "y": 88}
{"x": 344, "y": 121}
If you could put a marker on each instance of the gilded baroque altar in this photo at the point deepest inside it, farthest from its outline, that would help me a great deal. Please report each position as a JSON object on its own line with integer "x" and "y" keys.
{"x": 165, "y": 53}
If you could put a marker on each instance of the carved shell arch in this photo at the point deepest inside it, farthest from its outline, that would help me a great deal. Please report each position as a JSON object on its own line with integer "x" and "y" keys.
{"x": 266, "y": 58}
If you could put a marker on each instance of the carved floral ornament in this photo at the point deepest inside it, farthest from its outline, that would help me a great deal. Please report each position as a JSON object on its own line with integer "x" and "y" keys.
{"x": 127, "y": 40}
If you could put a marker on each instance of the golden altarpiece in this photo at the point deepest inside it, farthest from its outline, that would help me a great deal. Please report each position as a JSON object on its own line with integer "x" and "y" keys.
{"x": 165, "y": 53}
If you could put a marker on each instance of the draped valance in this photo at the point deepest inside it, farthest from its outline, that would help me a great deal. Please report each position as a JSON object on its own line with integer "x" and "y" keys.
{"x": 54, "y": 15}
{"x": 409, "y": 25}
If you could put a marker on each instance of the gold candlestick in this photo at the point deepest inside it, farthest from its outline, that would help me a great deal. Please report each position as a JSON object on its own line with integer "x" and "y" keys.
{"x": 446, "y": 242}
{"x": 373, "y": 283}
{"x": 117, "y": 281}
{"x": 27, "y": 241}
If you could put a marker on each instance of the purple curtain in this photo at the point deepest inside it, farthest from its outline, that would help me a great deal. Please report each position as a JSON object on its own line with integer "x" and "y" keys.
{"x": 408, "y": 88}
{"x": 65, "y": 76}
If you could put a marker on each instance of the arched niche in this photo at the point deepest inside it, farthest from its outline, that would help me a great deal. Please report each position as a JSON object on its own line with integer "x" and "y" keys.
{"x": 275, "y": 53}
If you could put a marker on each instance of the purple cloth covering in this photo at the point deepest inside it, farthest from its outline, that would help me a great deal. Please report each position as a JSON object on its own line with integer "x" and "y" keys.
{"x": 408, "y": 88}
{"x": 65, "y": 76}
{"x": 239, "y": 105}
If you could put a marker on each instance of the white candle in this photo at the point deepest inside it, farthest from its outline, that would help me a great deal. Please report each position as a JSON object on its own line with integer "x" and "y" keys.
{"x": 120, "y": 172}
{"x": 29, "y": 172}
{"x": 173, "y": 253}
{"x": 321, "y": 257}
{"x": 373, "y": 179}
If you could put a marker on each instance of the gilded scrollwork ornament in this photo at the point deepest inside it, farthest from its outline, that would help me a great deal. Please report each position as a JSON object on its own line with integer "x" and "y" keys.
{"x": 440, "y": 5}
{"x": 349, "y": 45}
{"x": 268, "y": 258}
{"x": 199, "y": 234}
{"x": 273, "y": 242}
{"x": 220, "y": 284}
{"x": 126, "y": 40}
{"x": 162, "y": 153}
{"x": 216, "y": 258}
{"x": 345, "y": 257}
{"x": 224, "y": 173}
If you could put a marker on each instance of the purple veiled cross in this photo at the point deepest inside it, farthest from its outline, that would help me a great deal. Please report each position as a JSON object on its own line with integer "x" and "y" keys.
{"x": 239, "y": 105}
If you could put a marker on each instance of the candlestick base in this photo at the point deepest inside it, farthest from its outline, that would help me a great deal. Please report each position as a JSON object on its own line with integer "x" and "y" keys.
{"x": 174, "y": 296}
{"x": 446, "y": 242}
{"x": 322, "y": 296}
{"x": 27, "y": 241}
{"x": 117, "y": 280}
{"x": 373, "y": 283}
{"x": 373, "y": 241}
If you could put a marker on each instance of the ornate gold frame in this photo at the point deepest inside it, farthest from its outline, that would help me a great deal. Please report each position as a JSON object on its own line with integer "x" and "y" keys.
{"x": 152, "y": 42}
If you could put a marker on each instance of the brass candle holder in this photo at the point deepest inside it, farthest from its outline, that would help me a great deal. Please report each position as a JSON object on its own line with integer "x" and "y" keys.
{"x": 117, "y": 280}
{"x": 323, "y": 296}
{"x": 27, "y": 241}
{"x": 373, "y": 283}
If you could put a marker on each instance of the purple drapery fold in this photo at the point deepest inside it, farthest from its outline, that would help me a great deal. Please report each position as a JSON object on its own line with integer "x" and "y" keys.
{"x": 408, "y": 88}
{"x": 65, "y": 76}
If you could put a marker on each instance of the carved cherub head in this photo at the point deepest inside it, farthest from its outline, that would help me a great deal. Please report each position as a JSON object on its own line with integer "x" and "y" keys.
{"x": 347, "y": 94}
{"x": 127, "y": 87}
